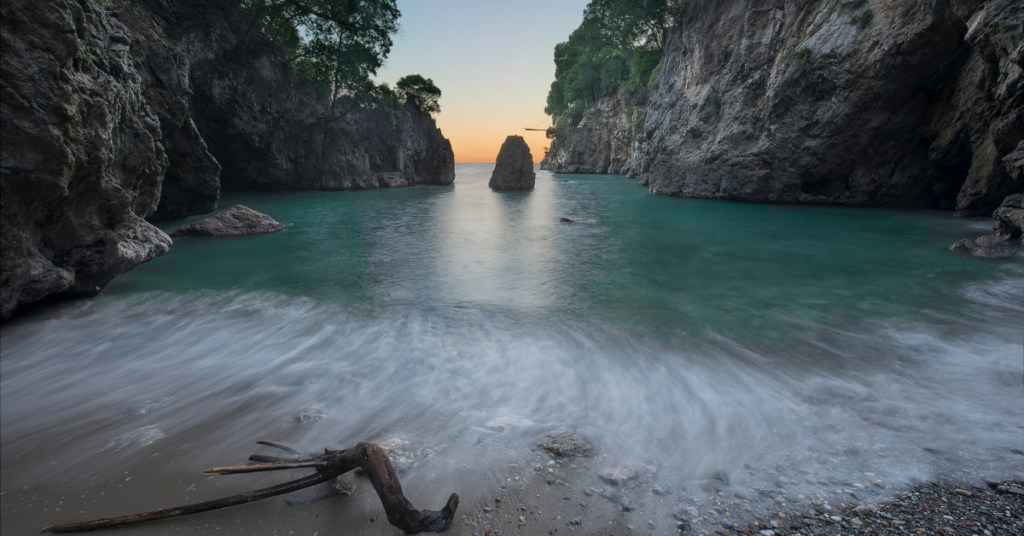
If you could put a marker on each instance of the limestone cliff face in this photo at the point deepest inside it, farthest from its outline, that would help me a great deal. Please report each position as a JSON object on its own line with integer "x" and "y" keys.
{"x": 81, "y": 159}
{"x": 271, "y": 131}
{"x": 917, "y": 105}
{"x": 128, "y": 111}
{"x": 600, "y": 143}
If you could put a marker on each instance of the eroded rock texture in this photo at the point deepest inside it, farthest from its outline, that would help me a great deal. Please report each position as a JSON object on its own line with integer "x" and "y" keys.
{"x": 119, "y": 113}
{"x": 601, "y": 143}
{"x": 794, "y": 101}
{"x": 238, "y": 220}
{"x": 513, "y": 169}
{"x": 271, "y": 131}
{"x": 81, "y": 160}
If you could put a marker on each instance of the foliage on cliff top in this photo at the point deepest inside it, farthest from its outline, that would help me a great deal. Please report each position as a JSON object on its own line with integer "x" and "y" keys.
{"x": 339, "y": 44}
{"x": 618, "y": 47}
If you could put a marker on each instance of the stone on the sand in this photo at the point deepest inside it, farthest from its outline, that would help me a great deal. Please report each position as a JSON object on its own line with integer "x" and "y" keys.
{"x": 620, "y": 474}
{"x": 566, "y": 443}
{"x": 986, "y": 247}
{"x": 238, "y": 220}
{"x": 514, "y": 167}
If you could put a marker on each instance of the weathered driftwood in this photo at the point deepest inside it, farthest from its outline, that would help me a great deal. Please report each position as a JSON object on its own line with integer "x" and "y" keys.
{"x": 366, "y": 456}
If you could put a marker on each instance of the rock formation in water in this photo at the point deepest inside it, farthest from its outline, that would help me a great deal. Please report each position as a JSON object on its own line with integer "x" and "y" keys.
{"x": 513, "y": 169}
{"x": 1010, "y": 217}
{"x": 81, "y": 159}
{"x": 909, "y": 104}
{"x": 117, "y": 113}
{"x": 986, "y": 247}
{"x": 238, "y": 220}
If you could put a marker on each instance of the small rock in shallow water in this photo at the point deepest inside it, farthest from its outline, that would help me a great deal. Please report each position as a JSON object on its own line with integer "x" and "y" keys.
{"x": 566, "y": 443}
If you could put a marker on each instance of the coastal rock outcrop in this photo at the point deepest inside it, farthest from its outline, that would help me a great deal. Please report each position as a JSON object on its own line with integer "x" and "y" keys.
{"x": 1010, "y": 217}
{"x": 986, "y": 247}
{"x": 238, "y": 220}
{"x": 119, "y": 112}
{"x": 271, "y": 130}
{"x": 81, "y": 159}
{"x": 600, "y": 143}
{"x": 513, "y": 169}
{"x": 905, "y": 104}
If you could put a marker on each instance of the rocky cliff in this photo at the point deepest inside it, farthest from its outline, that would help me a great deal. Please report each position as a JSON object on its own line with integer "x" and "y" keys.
{"x": 601, "y": 142}
{"x": 117, "y": 113}
{"x": 862, "y": 102}
{"x": 82, "y": 158}
{"x": 271, "y": 131}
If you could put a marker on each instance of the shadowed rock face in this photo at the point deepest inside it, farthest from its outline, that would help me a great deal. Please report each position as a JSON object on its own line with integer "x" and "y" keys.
{"x": 81, "y": 158}
{"x": 270, "y": 130}
{"x": 514, "y": 167}
{"x": 238, "y": 220}
{"x": 112, "y": 118}
{"x": 773, "y": 101}
{"x": 1010, "y": 217}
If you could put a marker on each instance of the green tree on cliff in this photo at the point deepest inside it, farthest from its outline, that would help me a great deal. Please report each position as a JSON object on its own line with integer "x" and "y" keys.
{"x": 336, "y": 44}
{"x": 419, "y": 92}
{"x": 618, "y": 47}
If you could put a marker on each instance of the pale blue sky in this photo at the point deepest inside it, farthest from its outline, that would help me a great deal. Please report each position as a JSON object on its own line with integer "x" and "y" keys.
{"x": 492, "y": 61}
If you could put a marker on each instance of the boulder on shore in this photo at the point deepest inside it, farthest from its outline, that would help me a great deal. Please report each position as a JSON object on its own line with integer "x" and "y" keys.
{"x": 514, "y": 167}
{"x": 238, "y": 220}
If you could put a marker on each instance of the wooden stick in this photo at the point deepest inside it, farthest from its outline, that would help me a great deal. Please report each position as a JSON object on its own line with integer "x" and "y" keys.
{"x": 333, "y": 463}
{"x": 263, "y": 458}
{"x": 241, "y": 498}
{"x": 237, "y": 469}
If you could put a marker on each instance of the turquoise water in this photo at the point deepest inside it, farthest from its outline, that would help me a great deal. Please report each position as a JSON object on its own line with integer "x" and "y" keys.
{"x": 671, "y": 331}
{"x": 628, "y": 258}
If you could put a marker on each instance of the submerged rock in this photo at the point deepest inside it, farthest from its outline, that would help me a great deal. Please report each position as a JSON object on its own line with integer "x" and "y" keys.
{"x": 514, "y": 167}
{"x": 238, "y": 220}
{"x": 566, "y": 443}
{"x": 986, "y": 247}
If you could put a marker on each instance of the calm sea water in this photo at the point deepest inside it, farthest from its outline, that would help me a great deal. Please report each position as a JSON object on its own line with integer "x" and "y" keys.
{"x": 667, "y": 329}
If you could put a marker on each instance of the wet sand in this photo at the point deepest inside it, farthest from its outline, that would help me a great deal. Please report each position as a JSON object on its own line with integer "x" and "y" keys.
{"x": 529, "y": 493}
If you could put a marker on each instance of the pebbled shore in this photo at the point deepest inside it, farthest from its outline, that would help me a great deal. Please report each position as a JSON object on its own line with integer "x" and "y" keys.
{"x": 543, "y": 496}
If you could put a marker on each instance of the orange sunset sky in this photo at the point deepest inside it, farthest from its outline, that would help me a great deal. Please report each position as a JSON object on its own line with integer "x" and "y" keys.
{"x": 492, "y": 61}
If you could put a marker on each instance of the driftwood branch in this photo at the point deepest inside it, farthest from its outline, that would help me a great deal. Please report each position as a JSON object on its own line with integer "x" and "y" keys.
{"x": 333, "y": 463}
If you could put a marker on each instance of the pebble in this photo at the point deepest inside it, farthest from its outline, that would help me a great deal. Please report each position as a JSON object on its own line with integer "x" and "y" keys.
{"x": 962, "y": 492}
{"x": 583, "y": 504}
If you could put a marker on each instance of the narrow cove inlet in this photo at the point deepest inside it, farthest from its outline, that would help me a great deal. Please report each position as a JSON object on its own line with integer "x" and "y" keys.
{"x": 531, "y": 268}
{"x": 729, "y": 360}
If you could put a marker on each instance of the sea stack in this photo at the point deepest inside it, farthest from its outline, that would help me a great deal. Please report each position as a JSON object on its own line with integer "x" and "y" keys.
{"x": 514, "y": 168}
